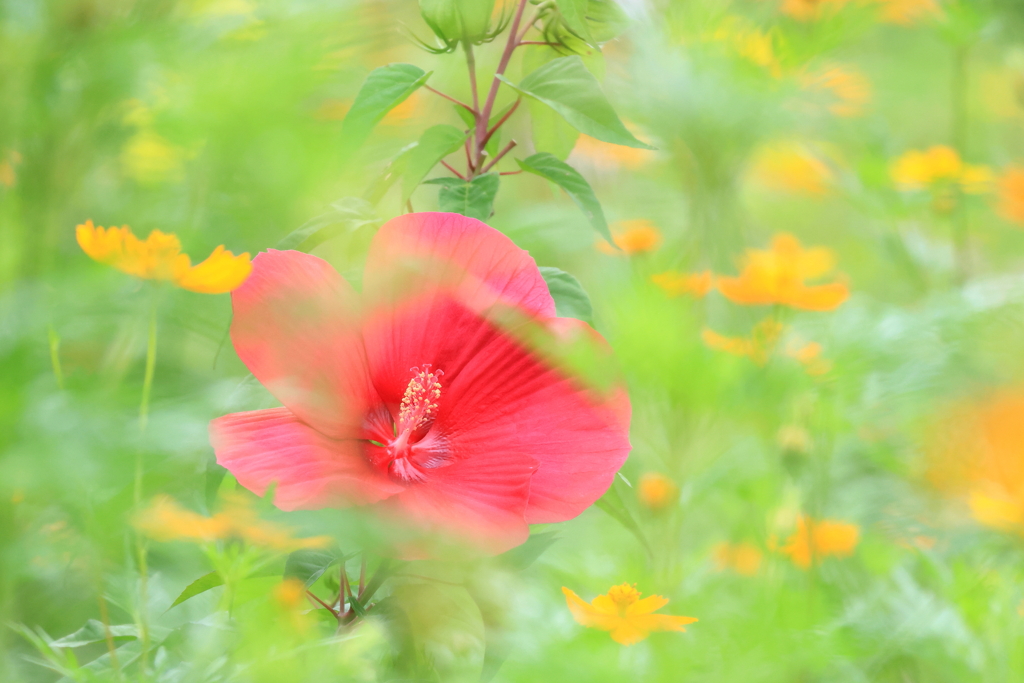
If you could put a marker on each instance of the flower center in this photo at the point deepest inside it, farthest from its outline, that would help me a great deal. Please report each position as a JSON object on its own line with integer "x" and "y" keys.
{"x": 418, "y": 407}
{"x": 623, "y": 596}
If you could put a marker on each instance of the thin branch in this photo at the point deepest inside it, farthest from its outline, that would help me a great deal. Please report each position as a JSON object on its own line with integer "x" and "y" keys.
{"x": 470, "y": 168}
{"x": 362, "y": 576}
{"x": 536, "y": 42}
{"x": 327, "y": 607}
{"x": 511, "y": 172}
{"x": 527, "y": 27}
{"x": 471, "y": 64}
{"x": 503, "y": 152}
{"x": 502, "y": 120}
{"x": 452, "y": 99}
{"x": 506, "y": 55}
{"x": 408, "y": 205}
{"x": 450, "y": 168}
{"x": 343, "y": 591}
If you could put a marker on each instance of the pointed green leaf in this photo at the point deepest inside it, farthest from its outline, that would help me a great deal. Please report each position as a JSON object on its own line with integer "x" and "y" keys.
{"x": 385, "y": 88}
{"x": 569, "y": 179}
{"x": 566, "y": 86}
{"x": 571, "y": 300}
{"x": 345, "y": 215}
{"x": 94, "y": 632}
{"x": 474, "y": 199}
{"x": 435, "y": 144}
{"x": 200, "y": 585}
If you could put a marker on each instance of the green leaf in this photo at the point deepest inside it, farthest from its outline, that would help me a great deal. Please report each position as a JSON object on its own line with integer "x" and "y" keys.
{"x": 566, "y": 86}
{"x": 447, "y": 628}
{"x": 345, "y": 216}
{"x": 569, "y": 179}
{"x": 571, "y": 300}
{"x": 521, "y": 557}
{"x": 200, "y": 585}
{"x": 612, "y": 503}
{"x": 385, "y": 88}
{"x": 606, "y": 19}
{"x": 94, "y": 632}
{"x": 435, "y": 144}
{"x": 393, "y": 171}
{"x": 474, "y": 199}
{"x": 574, "y": 13}
{"x": 309, "y": 565}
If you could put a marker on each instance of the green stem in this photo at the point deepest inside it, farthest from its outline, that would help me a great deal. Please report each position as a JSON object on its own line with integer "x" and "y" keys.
{"x": 959, "y": 92}
{"x": 55, "y": 357}
{"x": 140, "y": 543}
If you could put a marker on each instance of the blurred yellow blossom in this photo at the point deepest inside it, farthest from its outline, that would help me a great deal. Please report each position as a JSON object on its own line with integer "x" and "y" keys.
{"x": 656, "y": 491}
{"x": 778, "y": 276}
{"x": 749, "y": 42}
{"x": 8, "y": 176}
{"x": 849, "y": 90}
{"x": 793, "y": 438}
{"x": 758, "y": 347}
{"x": 809, "y": 10}
{"x": 791, "y": 167}
{"x": 166, "y": 520}
{"x": 160, "y": 258}
{"x": 608, "y": 156}
{"x": 150, "y": 159}
{"x": 638, "y": 236}
{"x": 742, "y": 558}
{"x": 809, "y": 355}
{"x": 907, "y": 12}
{"x": 939, "y": 165}
{"x": 677, "y": 284}
{"x": 621, "y": 612}
{"x": 816, "y": 539}
{"x": 1011, "y": 194}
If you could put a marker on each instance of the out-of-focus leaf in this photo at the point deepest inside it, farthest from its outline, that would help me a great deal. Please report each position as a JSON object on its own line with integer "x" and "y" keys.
{"x": 345, "y": 215}
{"x": 395, "y": 169}
{"x": 385, "y": 88}
{"x": 474, "y": 199}
{"x": 200, "y": 585}
{"x": 569, "y": 179}
{"x": 571, "y": 300}
{"x": 309, "y": 565}
{"x": 612, "y": 503}
{"x": 521, "y": 557}
{"x": 447, "y": 628}
{"x": 435, "y": 144}
{"x": 574, "y": 13}
{"x": 606, "y": 19}
{"x": 94, "y": 632}
{"x": 566, "y": 86}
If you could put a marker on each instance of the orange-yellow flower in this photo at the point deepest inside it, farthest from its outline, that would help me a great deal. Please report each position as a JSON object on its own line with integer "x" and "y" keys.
{"x": 809, "y": 10}
{"x": 907, "y": 12}
{"x": 778, "y": 276}
{"x": 848, "y": 89}
{"x": 639, "y": 236}
{"x": 165, "y": 520}
{"x": 814, "y": 539}
{"x": 160, "y": 258}
{"x": 790, "y": 167}
{"x": 621, "y": 612}
{"x": 758, "y": 347}
{"x": 979, "y": 455}
{"x": 939, "y": 166}
{"x": 677, "y": 284}
{"x": 1011, "y": 194}
{"x": 809, "y": 355}
{"x": 742, "y": 558}
{"x": 656, "y": 491}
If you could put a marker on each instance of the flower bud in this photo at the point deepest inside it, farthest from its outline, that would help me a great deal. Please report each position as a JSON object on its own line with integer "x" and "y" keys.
{"x": 458, "y": 20}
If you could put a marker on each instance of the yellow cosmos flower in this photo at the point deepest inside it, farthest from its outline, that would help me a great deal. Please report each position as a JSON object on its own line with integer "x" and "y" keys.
{"x": 638, "y": 236}
{"x": 1011, "y": 195}
{"x": 160, "y": 258}
{"x": 849, "y": 90}
{"x": 815, "y": 539}
{"x": 165, "y": 520}
{"x": 742, "y": 558}
{"x": 907, "y": 12}
{"x": 656, "y": 491}
{"x": 677, "y": 284}
{"x": 621, "y": 612}
{"x": 778, "y": 276}
{"x": 938, "y": 166}
{"x": 791, "y": 167}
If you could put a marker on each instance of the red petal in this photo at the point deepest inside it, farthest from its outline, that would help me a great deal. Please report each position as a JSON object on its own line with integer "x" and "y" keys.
{"x": 311, "y": 470}
{"x": 482, "y": 264}
{"x": 295, "y": 328}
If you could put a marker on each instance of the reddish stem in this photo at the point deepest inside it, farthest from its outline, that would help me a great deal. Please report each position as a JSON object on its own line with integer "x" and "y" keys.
{"x": 362, "y": 565}
{"x": 492, "y": 95}
{"x": 451, "y": 99}
{"x": 325, "y": 605}
{"x": 536, "y": 42}
{"x": 450, "y": 168}
{"x": 511, "y": 172}
{"x": 503, "y": 152}
{"x": 502, "y": 120}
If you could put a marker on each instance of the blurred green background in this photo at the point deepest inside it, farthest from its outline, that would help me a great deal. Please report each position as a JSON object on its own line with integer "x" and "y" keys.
{"x": 220, "y": 121}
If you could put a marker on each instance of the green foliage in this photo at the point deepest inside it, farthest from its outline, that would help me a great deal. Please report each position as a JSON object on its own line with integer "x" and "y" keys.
{"x": 384, "y": 89}
{"x": 435, "y": 144}
{"x": 547, "y": 166}
{"x": 474, "y": 198}
{"x": 571, "y": 300}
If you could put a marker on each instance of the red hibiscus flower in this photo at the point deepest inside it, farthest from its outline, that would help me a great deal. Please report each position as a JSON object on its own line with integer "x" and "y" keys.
{"x": 447, "y": 391}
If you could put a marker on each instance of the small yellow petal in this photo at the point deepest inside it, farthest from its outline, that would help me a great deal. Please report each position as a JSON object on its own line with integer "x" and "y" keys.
{"x": 221, "y": 272}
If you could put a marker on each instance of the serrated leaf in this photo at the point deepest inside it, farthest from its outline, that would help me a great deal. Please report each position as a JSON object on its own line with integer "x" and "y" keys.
{"x": 566, "y": 86}
{"x": 435, "y": 144}
{"x": 309, "y": 565}
{"x": 571, "y": 300}
{"x": 345, "y": 215}
{"x": 474, "y": 199}
{"x": 384, "y": 89}
{"x": 569, "y": 179}
{"x": 94, "y": 632}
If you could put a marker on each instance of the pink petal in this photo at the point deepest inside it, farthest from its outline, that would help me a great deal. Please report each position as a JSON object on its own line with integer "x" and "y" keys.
{"x": 311, "y": 470}
{"x": 295, "y": 327}
{"x": 510, "y": 398}
{"x": 481, "y": 263}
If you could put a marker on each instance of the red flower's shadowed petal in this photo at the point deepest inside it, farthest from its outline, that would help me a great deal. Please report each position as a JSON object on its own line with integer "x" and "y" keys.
{"x": 509, "y": 397}
{"x": 295, "y": 328}
{"x": 476, "y": 260}
{"x": 479, "y": 500}
{"x": 311, "y": 470}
